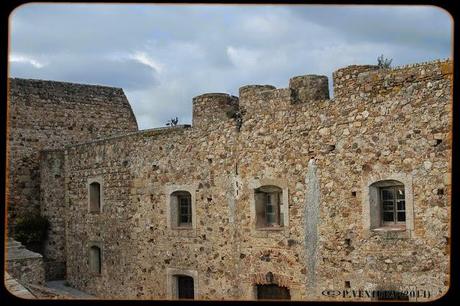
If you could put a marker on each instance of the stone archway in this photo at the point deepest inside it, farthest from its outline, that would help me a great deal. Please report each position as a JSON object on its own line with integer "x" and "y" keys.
{"x": 270, "y": 286}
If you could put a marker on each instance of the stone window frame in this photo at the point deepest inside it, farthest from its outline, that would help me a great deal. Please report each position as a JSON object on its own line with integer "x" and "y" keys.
{"x": 171, "y": 281}
{"x": 99, "y": 180}
{"x": 97, "y": 244}
{"x": 169, "y": 190}
{"x": 284, "y": 208}
{"x": 370, "y": 199}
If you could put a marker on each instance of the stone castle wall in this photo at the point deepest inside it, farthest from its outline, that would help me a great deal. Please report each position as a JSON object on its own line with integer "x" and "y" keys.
{"x": 52, "y": 199}
{"x": 324, "y": 154}
{"x": 46, "y": 115}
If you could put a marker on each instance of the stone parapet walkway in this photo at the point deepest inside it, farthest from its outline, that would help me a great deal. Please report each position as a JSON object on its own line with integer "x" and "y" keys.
{"x": 16, "y": 288}
{"x": 60, "y": 287}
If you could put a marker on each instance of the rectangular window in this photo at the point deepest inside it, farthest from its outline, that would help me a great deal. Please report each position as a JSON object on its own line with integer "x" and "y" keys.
{"x": 267, "y": 207}
{"x": 95, "y": 259}
{"x": 393, "y": 205}
{"x": 270, "y": 209}
{"x": 185, "y": 287}
{"x": 185, "y": 210}
{"x": 95, "y": 197}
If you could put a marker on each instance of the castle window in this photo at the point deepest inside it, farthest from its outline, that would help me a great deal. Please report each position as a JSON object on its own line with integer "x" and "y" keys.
{"x": 393, "y": 205}
{"x": 95, "y": 195}
{"x": 268, "y": 200}
{"x": 181, "y": 209}
{"x": 95, "y": 259}
{"x": 185, "y": 210}
{"x": 181, "y": 283}
{"x": 184, "y": 287}
{"x": 387, "y": 205}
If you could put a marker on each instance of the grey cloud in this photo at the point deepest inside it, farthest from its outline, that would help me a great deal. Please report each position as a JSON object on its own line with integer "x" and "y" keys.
{"x": 190, "y": 43}
{"x": 426, "y": 26}
{"x": 127, "y": 74}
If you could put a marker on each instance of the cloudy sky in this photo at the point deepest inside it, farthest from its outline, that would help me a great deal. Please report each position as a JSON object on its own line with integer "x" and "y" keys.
{"x": 164, "y": 55}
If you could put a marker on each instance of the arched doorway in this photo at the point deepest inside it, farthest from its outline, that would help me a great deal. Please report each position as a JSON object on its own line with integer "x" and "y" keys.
{"x": 272, "y": 292}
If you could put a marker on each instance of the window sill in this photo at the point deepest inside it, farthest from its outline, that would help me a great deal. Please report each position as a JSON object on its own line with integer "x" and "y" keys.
{"x": 95, "y": 274}
{"x": 391, "y": 232}
{"x": 389, "y": 229}
{"x": 278, "y": 228}
{"x": 181, "y": 228}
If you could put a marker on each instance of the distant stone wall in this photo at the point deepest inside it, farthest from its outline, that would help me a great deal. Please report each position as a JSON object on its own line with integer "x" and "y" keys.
{"x": 16, "y": 288}
{"x": 400, "y": 127}
{"x": 24, "y": 265}
{"x": 49, "y": 115}
{"x": 52, "y": 199}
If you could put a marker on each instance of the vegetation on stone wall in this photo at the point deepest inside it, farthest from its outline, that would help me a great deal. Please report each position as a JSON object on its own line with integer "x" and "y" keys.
{"x": 172, "y": 122}
{"x": 383, "y": 62}
{"x": 237, "y": 114}
{"x": 31, "y": 230}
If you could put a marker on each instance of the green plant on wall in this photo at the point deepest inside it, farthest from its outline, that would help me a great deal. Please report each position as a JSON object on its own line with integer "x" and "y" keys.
{"x": 384, "y": 63}
{"x": 31, "y": 230}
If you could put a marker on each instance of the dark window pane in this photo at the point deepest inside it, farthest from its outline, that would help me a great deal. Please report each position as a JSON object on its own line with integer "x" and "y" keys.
{"x": 388, "y": 216}
{"x": 184, "y": 201}
{"x": 185, "y": 209}
{"x": 95, "y": 197}
{"x": 185, "y": 287}
{"x": 401, "y": 216}
{"x": 270, "y": 218}
{"x": 269, "y": 209}
{"x": 401, "y": 205}
{"x": 387, "y": 194}
{"x": 272, "y": 292}
{"x": 95, "y": 259}
{"x": 388, "y": 205}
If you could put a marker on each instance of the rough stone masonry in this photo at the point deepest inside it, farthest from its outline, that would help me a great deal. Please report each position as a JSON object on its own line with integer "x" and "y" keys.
{"x": 281, "y": 189}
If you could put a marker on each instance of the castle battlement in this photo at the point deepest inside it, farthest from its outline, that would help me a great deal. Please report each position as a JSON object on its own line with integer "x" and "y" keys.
{"x": 212, "y": 107}
{"x": 365, "y": 81}
{"x": 369, "y": 79}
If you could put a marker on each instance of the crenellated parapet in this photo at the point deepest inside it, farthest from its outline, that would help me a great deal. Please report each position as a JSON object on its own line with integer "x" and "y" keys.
{"x": 372, "y": 80}
{"x": 212, "y": 107}
{"x": 310, "y": 87}
{"x": 346, "y": 79}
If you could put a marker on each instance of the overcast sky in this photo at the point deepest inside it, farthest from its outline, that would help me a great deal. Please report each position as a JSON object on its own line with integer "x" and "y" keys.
{"x": 164, "y": 55}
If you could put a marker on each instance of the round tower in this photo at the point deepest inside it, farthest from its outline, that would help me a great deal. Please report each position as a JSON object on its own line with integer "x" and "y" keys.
{"x": 213, "y": 107}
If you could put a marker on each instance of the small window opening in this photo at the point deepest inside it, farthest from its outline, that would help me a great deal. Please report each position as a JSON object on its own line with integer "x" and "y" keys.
{"x": 95, "y": 259}
{"x": 181, "y": 209}
{"x": 393, "y": 205}
{"x": 185, "y": 288}
{"x": 268, "y": 201}
{"x": 94, "y": 197}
